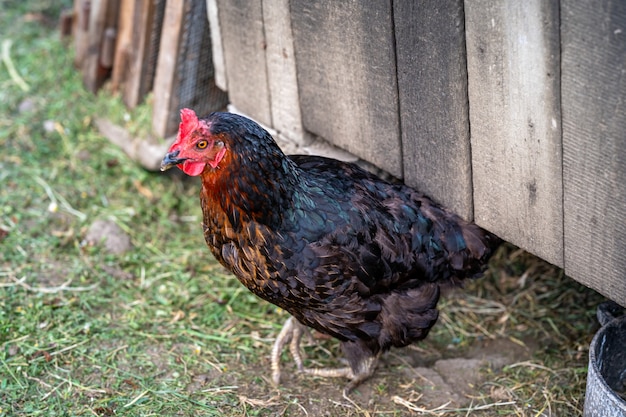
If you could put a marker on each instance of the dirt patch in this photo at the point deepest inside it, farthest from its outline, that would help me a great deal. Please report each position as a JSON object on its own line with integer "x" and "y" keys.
{"x": 402, "y": 381}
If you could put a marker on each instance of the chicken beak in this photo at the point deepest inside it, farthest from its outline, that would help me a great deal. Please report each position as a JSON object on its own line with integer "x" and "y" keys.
{"x": 171, "y": 159}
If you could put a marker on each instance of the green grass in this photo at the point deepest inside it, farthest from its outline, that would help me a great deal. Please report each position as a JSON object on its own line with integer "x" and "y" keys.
{"x": 163, "y": 329}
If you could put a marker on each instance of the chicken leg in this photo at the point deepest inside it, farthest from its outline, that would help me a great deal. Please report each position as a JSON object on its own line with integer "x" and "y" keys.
{"x": 292, "y": 333}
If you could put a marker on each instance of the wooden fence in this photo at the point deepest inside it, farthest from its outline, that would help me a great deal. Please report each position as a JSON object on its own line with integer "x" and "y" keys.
{"x": 512, "y": 113}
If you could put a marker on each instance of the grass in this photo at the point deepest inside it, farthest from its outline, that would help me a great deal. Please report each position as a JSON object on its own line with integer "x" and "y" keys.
{"x": 163, "y": 329}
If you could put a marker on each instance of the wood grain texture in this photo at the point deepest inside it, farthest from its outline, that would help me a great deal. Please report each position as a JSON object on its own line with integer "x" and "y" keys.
{"x": 594, "y": 143}
{"x": 243, "y": 41}
{"x": 103, "y": 15}
{"x": 347, "y": 77}
{"x": 216, "y": 44}
{"x": 281, "y": 73}
{"x": 514, "y": 101}
{"x": 81, "y": 30}
{"x": 184, "y": 76}
{"x": 165, "y": 78}
{"x": 122, "y": 44}
{"x": 132, "y": 57}
{"x": 432, "y": 84}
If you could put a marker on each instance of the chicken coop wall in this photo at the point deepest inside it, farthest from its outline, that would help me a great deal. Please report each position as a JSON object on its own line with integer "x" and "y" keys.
{"x": 510, "y": 113}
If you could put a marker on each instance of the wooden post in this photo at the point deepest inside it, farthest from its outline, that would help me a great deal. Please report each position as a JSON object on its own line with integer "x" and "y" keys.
{"x": 123, "y": 45}
{"x": 107, "y": 50}
{"x": 432, "y": 84}
{"x": 184, "y": 76}
{"x": 216, "y": 45}
{"x": 513, "y": 71}
{"x": 346, "y": 70}
{"x": 594, "y": 143}
{"x": 67, "y": 21}
{"x": 103, "y": 16}
{"x": 134, "y": 70}
{"x": 82, "y": 11}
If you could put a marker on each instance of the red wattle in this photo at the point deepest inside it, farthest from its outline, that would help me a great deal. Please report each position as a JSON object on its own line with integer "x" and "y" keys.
{"x": 192, "y": 168}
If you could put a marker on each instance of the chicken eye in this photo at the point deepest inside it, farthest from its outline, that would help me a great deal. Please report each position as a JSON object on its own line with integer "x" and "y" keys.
{"x": 202, "y": 144}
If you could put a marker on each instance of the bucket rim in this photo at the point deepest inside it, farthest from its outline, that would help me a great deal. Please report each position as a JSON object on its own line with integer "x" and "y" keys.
{"x": 615, "y": 322}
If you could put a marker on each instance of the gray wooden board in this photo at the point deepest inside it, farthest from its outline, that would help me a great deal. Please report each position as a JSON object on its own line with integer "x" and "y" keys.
{"x": 165, "y": 77}
{"x": 281, "y": 73}
{"x": 243, "y": 42}
{"x": 514, "y": 102}
{"x": 432, "y": 84}
{"x": 594, "y": 143}
{"x": 346, "y": 73}
{"x": 216, "y": 44}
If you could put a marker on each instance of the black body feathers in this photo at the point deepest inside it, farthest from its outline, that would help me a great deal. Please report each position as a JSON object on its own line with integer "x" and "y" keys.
{"x": 343, "y": 251}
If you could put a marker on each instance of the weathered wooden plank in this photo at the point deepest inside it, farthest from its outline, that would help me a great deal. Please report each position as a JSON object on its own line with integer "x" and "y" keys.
{"x": 513, "y": 75}
{"x": 82, "y": 10}
{"x": 281, "y": 73}
{"x": 102, "y": 16}
{"x": 243, "y": 41}
{"x": 432, "y": 84}
{"x": 132, "y": 51}
{"x": 347, "y": 77}
{"x": 594, "y": 143}
{"x": 123, "y": 43}
{"x": 165, "y": 78}
{"x": 184, "y": 76}
{"x": 216, "y": 43}
{"x": 67, "y": 22}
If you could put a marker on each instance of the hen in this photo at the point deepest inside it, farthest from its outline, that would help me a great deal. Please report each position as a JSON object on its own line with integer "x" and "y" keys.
{"x": 343, "y": 251}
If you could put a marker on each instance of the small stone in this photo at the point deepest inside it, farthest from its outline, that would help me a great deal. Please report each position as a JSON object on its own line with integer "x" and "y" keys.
{"x": 13, "y": 350}
{"x": 26, "y": 106}
{"x": 48, "y": 126}
{"x": 461, "y": 374}
{"x": 110, "y": 235}
{"x": 435, "y": 391}
{"x": 83, "y": 155}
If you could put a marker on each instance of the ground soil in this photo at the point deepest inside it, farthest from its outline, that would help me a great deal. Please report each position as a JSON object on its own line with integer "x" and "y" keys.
{"x": 421, "y": 378}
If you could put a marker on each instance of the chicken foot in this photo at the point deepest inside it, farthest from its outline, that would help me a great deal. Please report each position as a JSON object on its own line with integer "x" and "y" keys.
{"x": 292, "y": 333}
{"x": 364, "y": 369}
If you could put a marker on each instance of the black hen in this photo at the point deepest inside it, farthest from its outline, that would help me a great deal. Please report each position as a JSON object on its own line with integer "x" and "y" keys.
{"x": 343, "y": 251}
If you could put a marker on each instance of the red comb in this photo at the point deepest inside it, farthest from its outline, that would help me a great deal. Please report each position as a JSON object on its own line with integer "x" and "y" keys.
{"x": 188, "y": 123}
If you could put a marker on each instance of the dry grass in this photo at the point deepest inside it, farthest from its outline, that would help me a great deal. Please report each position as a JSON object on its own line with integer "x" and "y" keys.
{"x": 531, "y": 303}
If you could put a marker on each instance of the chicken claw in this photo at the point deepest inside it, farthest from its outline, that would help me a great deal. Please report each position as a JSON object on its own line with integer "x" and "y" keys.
{"x": 292, "y": 333}
{"x": 364, "y": 369}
